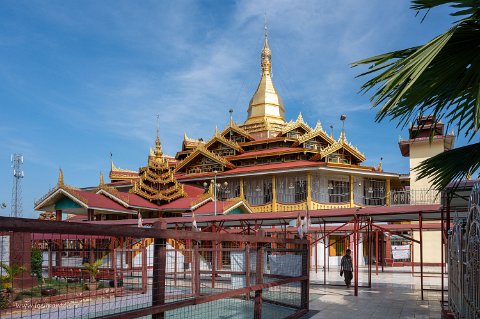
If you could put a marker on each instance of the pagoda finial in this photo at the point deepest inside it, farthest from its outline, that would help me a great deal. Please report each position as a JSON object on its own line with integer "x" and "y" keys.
{"x": 300, "y": 117}
{"x": 266, "y": 52}
{"x": 158, "y": 145}
{"x": 318, "y": 127}
{"x": 60, "y": 177}
{"x": 265, "y": 102}
{"x": 102, "y": 182}
{"x": 216, "y": 131}
{"x": 231, "y": 117}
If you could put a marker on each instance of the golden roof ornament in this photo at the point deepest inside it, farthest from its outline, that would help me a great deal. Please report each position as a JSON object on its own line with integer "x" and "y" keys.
{"x": 158, "y": 145}
{"x": 266, "y": 105}
{"x": 157, "y": 182}
{"x": 266, "y": 61}
{"x": 60, "y": 178}
{"x": 102, "y": 182}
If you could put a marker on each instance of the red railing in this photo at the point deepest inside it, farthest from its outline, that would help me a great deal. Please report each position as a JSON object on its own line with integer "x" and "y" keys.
{"x": 208, "y": 274}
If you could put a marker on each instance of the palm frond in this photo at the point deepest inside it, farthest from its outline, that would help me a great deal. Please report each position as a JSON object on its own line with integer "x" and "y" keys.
{"x": 441, "y": 78}
{"x": 467, "y": 7}
{"x": 450, "y": 166}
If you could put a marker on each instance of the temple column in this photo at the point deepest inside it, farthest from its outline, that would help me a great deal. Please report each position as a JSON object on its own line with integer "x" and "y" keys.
{"x": 309, "y": 190}
{"x": 387, "y": 191}
{"x": 352, "y": 199}
{"x": 242, "y": 194}
{"x": 58, "y": 215}
{"x": 274, "y": 194}
{"x": 59, "y": 242}
{"x": 90, "y": 214}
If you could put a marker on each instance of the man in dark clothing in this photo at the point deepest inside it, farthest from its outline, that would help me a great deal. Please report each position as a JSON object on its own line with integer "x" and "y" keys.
{"x": 346, "y": 268}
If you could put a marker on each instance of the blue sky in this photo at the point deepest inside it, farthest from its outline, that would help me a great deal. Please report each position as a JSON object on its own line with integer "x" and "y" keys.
{"x": 81, "y": 79}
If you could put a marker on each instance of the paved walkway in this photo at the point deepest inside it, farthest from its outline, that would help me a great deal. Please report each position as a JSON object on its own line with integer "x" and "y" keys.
{"x": 393, "y": 295}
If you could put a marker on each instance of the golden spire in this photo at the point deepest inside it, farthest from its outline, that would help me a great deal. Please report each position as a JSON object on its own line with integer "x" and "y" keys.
{"x": 60, "y": 178}
{"x": 102, "y": 182}
{"x": 266, "y": 55}
{"x": 158, "y": 146}
{"x": 266, "y": 105}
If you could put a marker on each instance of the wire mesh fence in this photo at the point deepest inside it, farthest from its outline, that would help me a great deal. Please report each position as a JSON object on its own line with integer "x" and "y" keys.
{"x": 78, "y": 270}
{"x": 464, "y": 262}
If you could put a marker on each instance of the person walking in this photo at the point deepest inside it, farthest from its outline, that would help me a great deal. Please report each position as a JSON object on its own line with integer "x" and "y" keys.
{"x": 346, "y": 268}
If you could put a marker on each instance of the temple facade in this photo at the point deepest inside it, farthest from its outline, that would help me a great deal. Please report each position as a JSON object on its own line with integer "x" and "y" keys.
{"x": 280, "y": 165}
{"x": 266, "y": 164}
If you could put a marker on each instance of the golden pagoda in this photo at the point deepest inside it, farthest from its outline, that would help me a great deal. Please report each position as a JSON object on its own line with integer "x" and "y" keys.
{"x": 157, "y": 181}
{"x": 265, "y": 111}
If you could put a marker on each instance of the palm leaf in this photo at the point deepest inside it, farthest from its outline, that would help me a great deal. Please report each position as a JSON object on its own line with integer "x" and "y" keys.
{"x": 451, "y": 166}
{"x": 441, "y": 78}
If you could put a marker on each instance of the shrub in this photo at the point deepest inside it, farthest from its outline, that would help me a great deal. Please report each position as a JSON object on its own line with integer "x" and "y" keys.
{"x": 36, "y": 262}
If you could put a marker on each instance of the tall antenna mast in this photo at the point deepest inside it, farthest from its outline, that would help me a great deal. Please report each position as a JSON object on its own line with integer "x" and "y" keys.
{"x": 17, "y": 162}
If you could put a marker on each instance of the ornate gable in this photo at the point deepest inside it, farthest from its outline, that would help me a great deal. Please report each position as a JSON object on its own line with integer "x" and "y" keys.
{"x": 204, "y": 160}
{"x": 316, "y": 132}
{"x": 226, "y": 147}
{"x": 236, "y": 133}
{"x": 299, "y": 126}
{"x": 121, "y": 174}
{"x": 342, "y": 143}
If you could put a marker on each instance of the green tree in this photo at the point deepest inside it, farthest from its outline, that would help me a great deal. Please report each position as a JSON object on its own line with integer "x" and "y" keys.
{"x": 92, "y": 269}
{"x": 441, "y": 78}
{"x": 9, "y": 273}
{"x": 36, "y": 262}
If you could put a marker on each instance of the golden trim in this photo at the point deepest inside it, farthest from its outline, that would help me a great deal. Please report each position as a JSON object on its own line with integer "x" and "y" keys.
{"x": 298, "y": 123}
{"x": 352, "y": 197}
{"x": 317, "y": 131}
{"x": 309, "y": 189}
{"x": 217, "y": 137}
{"x": 234, "y": 127}
{"x": 201, "y": 150}
{"x": 274, "y": 193}
{"x": 284, "y": 152}
{"x": 242, "y": 194}
{"x": 388, "y": 190}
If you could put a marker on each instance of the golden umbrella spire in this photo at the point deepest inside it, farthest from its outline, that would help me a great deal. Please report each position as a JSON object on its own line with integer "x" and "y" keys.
{"x": 60, "y": 177}
{"x": 266, "y": 105}
{"x": 102, "y": 181}
{"x": 266, "y": 60}
{"x": 158, "y": 146}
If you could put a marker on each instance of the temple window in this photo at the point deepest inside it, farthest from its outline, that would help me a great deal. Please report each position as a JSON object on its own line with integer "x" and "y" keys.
{"x": 339, "y": 158}
{"x": 338, "y": 191}
{"x": 319, "y": 188}
{"x": 204, "y": 165}
{"x": 374, "y": 192}
{"x": 312, "y": 144}
{"x": 291, "y": 188}
{"x": 258, "y": 191}
{"x": 234, "y": 137}
{"x": 294, "y": 134}
{"x": 232, "y": 190}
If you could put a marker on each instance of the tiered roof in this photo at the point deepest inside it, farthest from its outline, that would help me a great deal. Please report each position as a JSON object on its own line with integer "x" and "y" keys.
{"x": 157, "y": 182}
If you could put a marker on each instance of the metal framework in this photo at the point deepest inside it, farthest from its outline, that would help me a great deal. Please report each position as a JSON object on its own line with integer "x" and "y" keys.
{"x": 464, "y": 262}
{"x": 170, "y": 272}
{"x": 17, "y": 162}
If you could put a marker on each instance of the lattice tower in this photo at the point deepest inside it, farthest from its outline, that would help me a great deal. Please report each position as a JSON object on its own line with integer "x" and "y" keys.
{"x": 17, "y": 162}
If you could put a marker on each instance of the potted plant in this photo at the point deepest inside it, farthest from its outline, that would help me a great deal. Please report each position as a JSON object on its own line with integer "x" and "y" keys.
{"x": 8, "y": 274}
{"x": 92, "y": 270}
